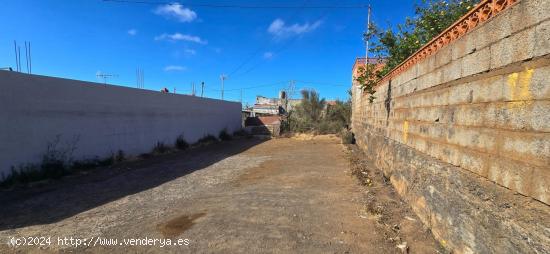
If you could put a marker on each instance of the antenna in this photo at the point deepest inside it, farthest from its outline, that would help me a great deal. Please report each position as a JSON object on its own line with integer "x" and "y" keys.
{"x": 19, "y": 57}
{"x": 30, "y": 59}
{"x": 367, "y": 42}
{"x": 27, "y": 58}
{"x": 140, "y": 78}
{"x": 241, "y": 96}
{"x": 105, "y": 76}
{"x": 223, "y": 78}
{"x": 16, "y": 59}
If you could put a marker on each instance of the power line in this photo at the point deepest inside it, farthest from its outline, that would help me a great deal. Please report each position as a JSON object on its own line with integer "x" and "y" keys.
{"x": 242, "y": 6}
{"x": 252, "y": 87}
{"x": 262, "y": 47}
{"x": 283, "y": 47}
{"x": 321, "y": 83}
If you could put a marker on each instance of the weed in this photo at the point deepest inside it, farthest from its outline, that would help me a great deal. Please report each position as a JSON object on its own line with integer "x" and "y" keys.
{"x": 347, "y": 137}
{"x": 242, "y": 133}
{"x": 120, "y": 156}
{"x": 181, "y": 144}
{"x": 224, "y": 136}
{"x": 85, "y": 164}
{"x": 208, "y": 139}
{"x": 160, "y": 148}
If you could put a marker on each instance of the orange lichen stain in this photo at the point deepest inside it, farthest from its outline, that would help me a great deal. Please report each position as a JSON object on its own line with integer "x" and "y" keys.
{"x": 405, "y": 131}
{"x": 519, "y": 84}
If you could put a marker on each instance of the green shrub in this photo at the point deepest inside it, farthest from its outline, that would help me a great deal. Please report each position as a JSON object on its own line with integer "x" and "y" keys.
{"x": 120, "y": 156}
{"x": 181, "y": 144}
{"x": 314, "y": 115}
{"x": 208, "y": 139}
{"x": 224, "y": 136}
{"x": 160, "y": 148}
{"x": 241, "y": 133}
{"x": 347, "y": 137}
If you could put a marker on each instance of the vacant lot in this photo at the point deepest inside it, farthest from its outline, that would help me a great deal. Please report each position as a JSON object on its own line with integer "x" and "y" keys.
{"x": 291, "y": 195}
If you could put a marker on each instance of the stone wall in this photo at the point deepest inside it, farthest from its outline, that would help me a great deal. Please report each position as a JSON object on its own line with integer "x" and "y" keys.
{"x": 467, "y": 127}
{"x": 91, "y": 120}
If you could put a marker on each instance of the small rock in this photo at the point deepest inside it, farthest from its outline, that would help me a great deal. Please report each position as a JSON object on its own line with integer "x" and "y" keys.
{"x": 403, "y": 247}
{"x": 409, "y": 218}
{"x": 395, "y": 227}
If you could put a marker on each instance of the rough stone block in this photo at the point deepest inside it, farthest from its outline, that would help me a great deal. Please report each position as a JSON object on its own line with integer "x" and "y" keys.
{"x": 443, "y": 56}
{"x": 541, "y": 184}
{"x": 476, "y": 62}
{"x": 487, "y": 90}
{"x": 516, "y": 48}
{"x": 463, "y": 46}
{"x": 452, "y": 71}
{"x": 494, "y": 30}
{"x": 511, "y": 174}
{"x": 542, "y": 43}
{"x": 533, "y": 12}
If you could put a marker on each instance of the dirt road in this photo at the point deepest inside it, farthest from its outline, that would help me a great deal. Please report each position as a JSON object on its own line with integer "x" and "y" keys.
{"x": 242, "y": 196}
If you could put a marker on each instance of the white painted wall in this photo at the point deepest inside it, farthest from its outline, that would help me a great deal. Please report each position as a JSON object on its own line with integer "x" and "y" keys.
{"x": 34, "y": 110}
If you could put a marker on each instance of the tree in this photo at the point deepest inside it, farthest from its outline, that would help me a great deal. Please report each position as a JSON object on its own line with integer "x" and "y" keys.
{"x": 306, "y": 115}
{"x": 432, "y": 17}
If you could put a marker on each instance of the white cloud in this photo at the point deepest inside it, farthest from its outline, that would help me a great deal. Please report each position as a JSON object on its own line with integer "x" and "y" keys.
{"x": 180, "y": 37}
{"x": 175, "y": 68}
{"x": 279, "y": 29}
{"x": 268, "y": 55}
{"x": 132, "y": 32}
{"x": 176, "y": 11}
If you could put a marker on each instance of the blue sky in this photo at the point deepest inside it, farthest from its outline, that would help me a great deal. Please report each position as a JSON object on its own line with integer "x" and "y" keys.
{"x": 177, "y": 45}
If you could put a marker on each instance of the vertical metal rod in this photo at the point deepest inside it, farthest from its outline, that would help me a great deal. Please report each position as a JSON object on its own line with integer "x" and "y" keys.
{"x": 27, "y": 57}
{"x": 19, "y": 57}
{"x": 16, "y": 61}
{"x": 368, "y": 31}
{"x": 202, "y": 89}
{"x": 222, "y": 77}
{"x": 30, "y": 59}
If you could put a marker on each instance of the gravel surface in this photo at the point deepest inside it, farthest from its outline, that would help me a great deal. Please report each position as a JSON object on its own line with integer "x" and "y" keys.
{"x": 283, "y": 195}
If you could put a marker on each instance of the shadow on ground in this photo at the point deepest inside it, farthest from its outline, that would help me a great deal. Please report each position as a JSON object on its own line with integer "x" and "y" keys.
{"x": 72, "y": 195}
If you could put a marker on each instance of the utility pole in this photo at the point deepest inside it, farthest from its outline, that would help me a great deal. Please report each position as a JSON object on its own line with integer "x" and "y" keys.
{"x": 202, "y": 89}
{"x": 289, "y": 93}
{"x": 223, "y": 78}
{"x": 367, "y": 41}
{"x": 241, "y": 96}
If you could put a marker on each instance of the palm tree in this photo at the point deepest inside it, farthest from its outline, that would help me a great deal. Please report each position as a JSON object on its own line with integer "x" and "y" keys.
{"x": 312, "y": 105}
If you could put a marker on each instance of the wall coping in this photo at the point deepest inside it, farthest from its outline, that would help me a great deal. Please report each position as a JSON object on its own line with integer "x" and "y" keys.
{"x": 480, "y": 14}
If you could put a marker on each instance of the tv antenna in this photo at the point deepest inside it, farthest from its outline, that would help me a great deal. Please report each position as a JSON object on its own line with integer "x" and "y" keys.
{"x": 105, "y": 76}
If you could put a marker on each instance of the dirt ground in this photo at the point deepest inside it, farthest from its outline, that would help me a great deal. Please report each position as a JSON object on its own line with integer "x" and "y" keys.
{"x": 287, "y": 195}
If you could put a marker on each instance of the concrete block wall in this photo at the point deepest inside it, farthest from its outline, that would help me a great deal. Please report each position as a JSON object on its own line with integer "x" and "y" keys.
{"x": 480, "y": 105}
{"x": 98, "y": 120}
